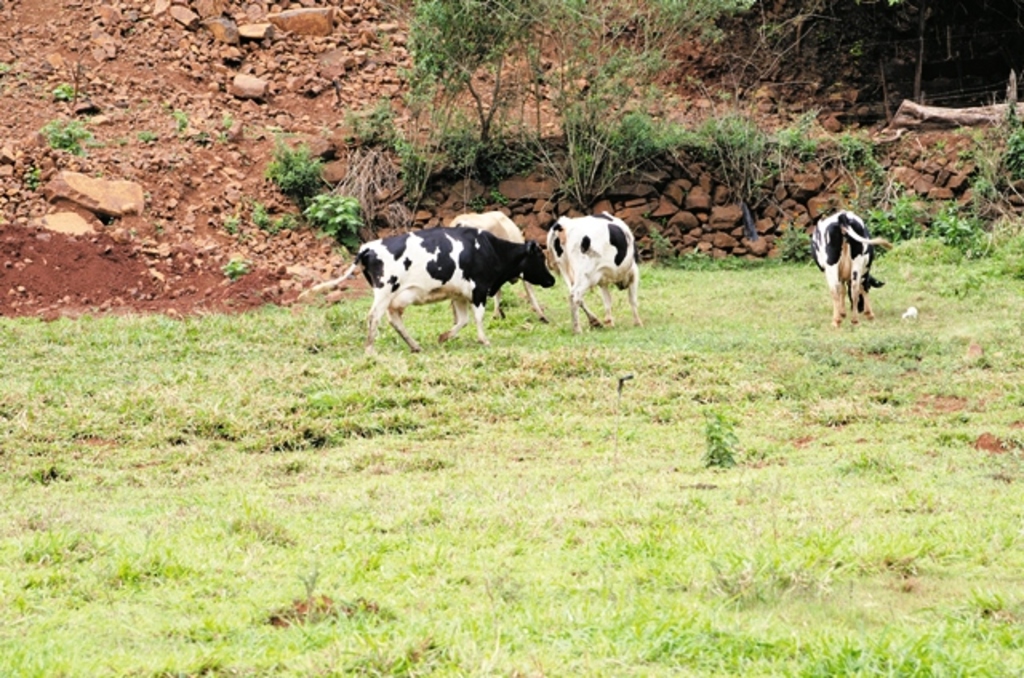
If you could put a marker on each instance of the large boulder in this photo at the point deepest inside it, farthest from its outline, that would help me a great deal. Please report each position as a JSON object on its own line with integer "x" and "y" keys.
{"x": 99, "y": 196}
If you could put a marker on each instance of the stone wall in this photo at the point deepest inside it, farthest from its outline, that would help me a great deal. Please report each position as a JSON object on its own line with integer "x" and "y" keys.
{"x": 692, "y": 210}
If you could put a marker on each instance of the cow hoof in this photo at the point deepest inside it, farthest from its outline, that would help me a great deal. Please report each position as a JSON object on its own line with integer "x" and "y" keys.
{"x": 443, "y": 338}
{"x": 594, "y": 322}
{"x": 543, "y": 320}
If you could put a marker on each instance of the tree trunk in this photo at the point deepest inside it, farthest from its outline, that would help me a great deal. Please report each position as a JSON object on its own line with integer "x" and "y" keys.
{"x": 912, "y": 116}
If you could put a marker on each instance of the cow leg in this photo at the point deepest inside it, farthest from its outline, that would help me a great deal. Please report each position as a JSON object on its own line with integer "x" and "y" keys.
{"x": 478, "y": 313}
{"x": 634, "y": 288}
{"x": 606, "y": 297}
{"x": 854, "y": 296}
{"x": 575, "y": 304}
{"x": 377, "y": 311}
{"x": 461, "y": 307}
{"x": 395, "y": 316}
{"x": 395, "y": 310}
{"x": 838, "y": 305}
{"x": 498, "y": 312}
{"x": 579, "y": 292}
{"x": 533, "y": 302}
{"x": 868, "y": 313}
{"x": 835, "y": 289}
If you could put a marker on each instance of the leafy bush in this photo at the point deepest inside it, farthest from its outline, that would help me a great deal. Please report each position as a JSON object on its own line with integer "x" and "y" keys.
{"x": 375, "y": 127}
{"x": 260, "y": 217}
{"x": 235, "y": 269}
{"x": 858, "y": 156}
{"x": 338, "y": 216}
{"x": 599, "y": 152}
{"x": 739, "y": 151}
{"x": 794, "y": 245}
{"x": 720, "y": 436}
{"x": 963, "y": 233}
{"x": 64, "y": 92}
{"x": 66, "y": 136}
{"x": 146, "y": 137}
{"x": 796, "y": 141}
{"x": 180, "y": 121}
{"x": 902, "y": 221}
{"x": 296, "y": 172}
{"x": 1013, "y": 156}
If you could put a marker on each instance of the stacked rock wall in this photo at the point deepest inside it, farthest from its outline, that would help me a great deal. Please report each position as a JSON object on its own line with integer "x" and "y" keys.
{"x": 684, "y": 206}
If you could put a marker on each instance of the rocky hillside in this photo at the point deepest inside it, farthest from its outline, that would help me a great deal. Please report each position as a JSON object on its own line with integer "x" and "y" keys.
{"x": 182, "y": 103}
{"x": 137, "y": 134}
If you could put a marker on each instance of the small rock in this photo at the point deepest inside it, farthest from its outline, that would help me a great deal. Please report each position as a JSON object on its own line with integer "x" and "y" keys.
{"x": 248, "y": 87}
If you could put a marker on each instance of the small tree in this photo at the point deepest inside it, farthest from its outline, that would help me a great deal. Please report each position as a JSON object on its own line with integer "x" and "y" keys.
{"x": 453, "y": 41}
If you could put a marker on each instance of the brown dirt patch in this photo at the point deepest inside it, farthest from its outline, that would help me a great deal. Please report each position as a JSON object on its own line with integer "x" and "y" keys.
{"x": 936, "y": 404}
{"x": 989, "y": 443}
{"x": 51, "y": 275}
{"x": 320, "y": 608}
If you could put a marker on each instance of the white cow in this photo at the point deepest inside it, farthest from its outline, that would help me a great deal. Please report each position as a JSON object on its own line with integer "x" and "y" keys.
{"x": 595, "y": 251}
{"x": 498, "y": 224}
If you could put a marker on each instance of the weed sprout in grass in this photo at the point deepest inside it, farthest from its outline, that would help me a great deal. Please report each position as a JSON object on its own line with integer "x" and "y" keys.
{"x": 721, "y": 440}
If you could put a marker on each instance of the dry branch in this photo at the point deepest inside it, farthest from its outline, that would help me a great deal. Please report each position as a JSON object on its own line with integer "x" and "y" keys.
{"x": 912, "y": 116}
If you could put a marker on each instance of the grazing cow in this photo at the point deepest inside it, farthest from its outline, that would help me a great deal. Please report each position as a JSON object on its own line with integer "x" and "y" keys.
{"x": 465, "y": 265}
{"x": 844, "y": 250}
{"x": 595, "y": 251}
{"x": 496, "y": 223}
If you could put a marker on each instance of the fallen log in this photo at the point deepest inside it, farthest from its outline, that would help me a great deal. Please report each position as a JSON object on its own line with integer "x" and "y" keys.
{"x": 912, "y": 116}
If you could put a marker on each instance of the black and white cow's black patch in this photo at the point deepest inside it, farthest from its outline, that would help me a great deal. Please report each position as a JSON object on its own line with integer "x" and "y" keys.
{"x": 617, "y": 237}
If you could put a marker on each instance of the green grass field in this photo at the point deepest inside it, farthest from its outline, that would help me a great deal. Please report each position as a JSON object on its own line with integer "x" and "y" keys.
{"x": 251, "y": 495}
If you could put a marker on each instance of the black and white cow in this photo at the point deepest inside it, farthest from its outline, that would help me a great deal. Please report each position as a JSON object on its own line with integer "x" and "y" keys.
{"x": 844, "y": 250}
{"x": 595, "y": 251}
{"x": 465, "y": 265}
{"x": 499, "y": 224}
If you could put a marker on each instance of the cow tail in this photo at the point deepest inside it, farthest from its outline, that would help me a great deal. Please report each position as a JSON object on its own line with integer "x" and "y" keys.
{"x": 853, "y": 235}
{"x": 331, "y": 284}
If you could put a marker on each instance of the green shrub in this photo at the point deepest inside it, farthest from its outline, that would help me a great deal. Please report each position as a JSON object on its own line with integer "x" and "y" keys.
{"x": 235, "y": 269}
{"x": 66, "y": 136}
{"x": 794, "y": 245}
{"x": 260, "y": 217}
{"x": 902, "y": 221}
{"x": 32, "y": 178}
{"x": 959, "y": 231}
{"x": 374, "y": 127}
{"x": 146, "y": 137}
{"x": 296, "y": 172}
{"x": 858, "y": 156}
{"x": 337, "y": 216}
{"x": 180, "y": 121}
{"x": 796, "y": 142}
{"x": 1013, "y": 156}
{"x": 738, "y": 151}
{"x": 64, "y": 92}
{"x": 720, "y": 436}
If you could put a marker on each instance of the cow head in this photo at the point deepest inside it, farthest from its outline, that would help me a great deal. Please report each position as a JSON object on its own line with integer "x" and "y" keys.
{"x": 535, "y": 267}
